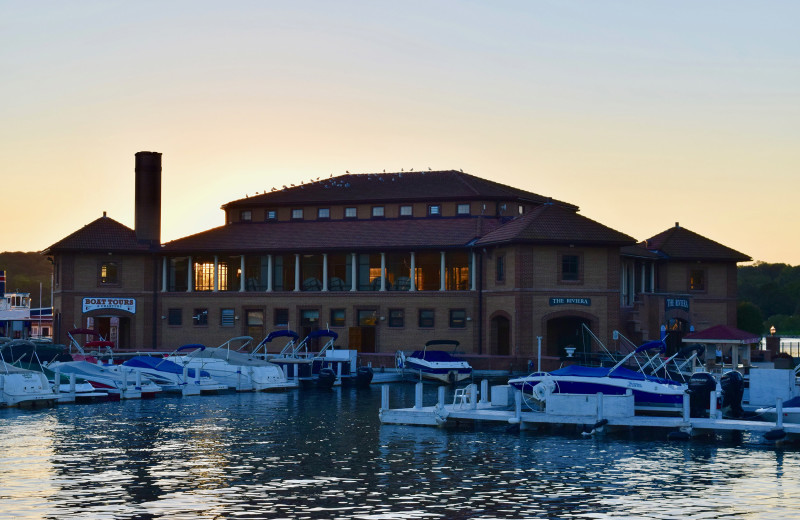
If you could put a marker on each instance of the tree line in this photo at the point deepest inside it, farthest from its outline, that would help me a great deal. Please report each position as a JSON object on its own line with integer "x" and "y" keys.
{"x": 24, "y": 273}
{"x": 769, "y": 296}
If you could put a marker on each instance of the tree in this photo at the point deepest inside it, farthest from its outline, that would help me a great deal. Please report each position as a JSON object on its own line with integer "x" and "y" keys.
{"x": 749, "y": 318}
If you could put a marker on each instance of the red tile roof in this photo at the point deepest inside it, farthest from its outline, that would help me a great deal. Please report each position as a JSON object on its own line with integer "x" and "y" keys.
{"x": 550, "y": 224}
{"x": 392, "y": 187}
{"x": 104, "y": 234}
{"x": 678, "y": 243}
{"x": 342, "y": 235}
{"x": 722, "y": 334}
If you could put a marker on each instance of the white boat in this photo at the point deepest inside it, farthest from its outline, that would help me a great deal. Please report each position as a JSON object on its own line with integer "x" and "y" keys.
{"x": 790, "y": 409}
{"x": 434, "y": 364}
{"x": 24, "y": 388}
{"x": 240, "y": 371}
{"x": 172, "y": 377}
{"x": 119, "y": 383}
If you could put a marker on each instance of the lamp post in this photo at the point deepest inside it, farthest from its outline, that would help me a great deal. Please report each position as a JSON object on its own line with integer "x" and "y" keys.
{"x": 772, "y": 330}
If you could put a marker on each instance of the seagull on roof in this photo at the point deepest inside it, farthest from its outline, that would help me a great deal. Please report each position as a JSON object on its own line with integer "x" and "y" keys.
{"x": 411, "y": 170}
{"x": 347, "y": 171}
{"x": 429, "y": 168}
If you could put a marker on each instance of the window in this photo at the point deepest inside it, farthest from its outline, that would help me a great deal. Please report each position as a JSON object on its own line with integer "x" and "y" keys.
{"x": 500, "y": 268}
{"x": 200, "y": 317}
{"x": 396, "y": 318}
{"x": 281, "y": 317}
{"x": 406, "y": 211}
{"x": 108, "y": 273}
{"x": 377, "y": 211}
{"x": 458, "y": 318}
{"x": 520, "y": 209}
{"x": 297, "y": 214}
{"x": 367, "y": 317}
{"x": 337, "y": 317}
{"x": 570, "y": 268}
{"x": 697, "y": 280}
{"x": 434, "y": 210}
{"x": 462, "y": 209}
{"x": 426, "y": 318}
{"x": 254, "y": 319}
{"x": 227, "y": 318}
{"x": 272, "y": 214}
{"x": 245, "y": 215}
{"x": 350, "y": 213}
{"x": 324, "y": 213}
{"x": 175, "y": 317}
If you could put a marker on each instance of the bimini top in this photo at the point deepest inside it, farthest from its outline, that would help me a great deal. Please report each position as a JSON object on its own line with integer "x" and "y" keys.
{"x": 434, "y": 355}
{"x": 614, "y": 373}
{"x": 161, "y": 365}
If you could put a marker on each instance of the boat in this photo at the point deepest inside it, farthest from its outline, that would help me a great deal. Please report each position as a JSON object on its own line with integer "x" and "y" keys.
{"x": 434, "y": 364}
{"x": 649, "y": 392}
{"x": 790, "y": 410}
{"x": 239, "y": 371}
{"x": 24, "y": 388}
{"x": 172, "y": 377}
{"x": 118, "y": 382}
{"x": 95, "y": 344}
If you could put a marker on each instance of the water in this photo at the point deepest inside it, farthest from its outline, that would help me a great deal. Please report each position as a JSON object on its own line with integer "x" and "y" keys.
{"x": 310, "y": 454}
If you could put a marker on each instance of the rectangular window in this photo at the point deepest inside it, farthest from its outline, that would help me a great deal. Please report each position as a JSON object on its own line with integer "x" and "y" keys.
{"x": 500, "y": 268}
{"x": 570, "y": 268}
{"x": 337, "y": 317}
{"x": 463, "y": 209}
{"x": 396, "y": 318}
{"x": 297, "y": 214}
{"x": 175, "y": 317}
{"x": 458, "y": 318}
{"x": 406, "y": 211}
{"x": 350, "y": 213}
{"x": 426, "y": 318}
{"x": 245, "y": 215}
{"x": 367, "y": 317}
{"x": 200, "y": 317}
{"x": 281, "y": 317}
{"x": 377, "y": 211}
{"x": 254, "y": 319}
{"x": 434, "y": 210}
{"x": 272, "y": 214}
{"x": 323, "y": 213}
{"x": 227, "y": 318}
{"x": 108, "y": 273}
{"x": 697, "y": 280}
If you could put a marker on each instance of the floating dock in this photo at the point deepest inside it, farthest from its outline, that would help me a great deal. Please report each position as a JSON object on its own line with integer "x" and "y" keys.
{"x": 595, "y": 412}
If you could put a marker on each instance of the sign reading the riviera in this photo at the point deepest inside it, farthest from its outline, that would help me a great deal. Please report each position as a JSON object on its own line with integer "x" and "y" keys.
{"x": 677, "y": 303}
{"x": 571, "y": 301}
{"x": 120, "y": 304}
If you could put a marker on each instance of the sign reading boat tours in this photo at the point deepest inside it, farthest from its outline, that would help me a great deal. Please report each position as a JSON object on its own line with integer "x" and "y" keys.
{"x": 676, "y": 303}
{"x": 571, "y": 301}
{"x": 119, "y": 304}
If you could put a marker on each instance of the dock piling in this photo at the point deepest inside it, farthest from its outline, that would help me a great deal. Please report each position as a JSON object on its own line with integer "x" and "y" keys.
{"x": 484, "y": 391}
{"x": 779, "y": 413}
{"x": 441, "y": 396}
{"x": 418, "y": 396}
{"x": 384, "y": 397}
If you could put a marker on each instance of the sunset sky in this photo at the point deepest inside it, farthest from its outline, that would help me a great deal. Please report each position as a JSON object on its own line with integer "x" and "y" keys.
{"x": 642, "y": 113}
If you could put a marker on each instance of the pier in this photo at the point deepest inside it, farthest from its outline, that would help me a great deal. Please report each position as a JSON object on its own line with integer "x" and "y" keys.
{"x": 504, "y": 405}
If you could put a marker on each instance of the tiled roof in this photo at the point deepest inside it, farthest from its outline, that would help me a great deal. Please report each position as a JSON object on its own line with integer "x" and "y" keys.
{"x": 104, "y": 234}
{"x": 388, "y": 187}
{"x": 722, "y": 334}
{"x": 639, "y": 251}
{"x": 554, "y": 224}
{"x": 678, "y": 243}
{"x": 342, "y": 235}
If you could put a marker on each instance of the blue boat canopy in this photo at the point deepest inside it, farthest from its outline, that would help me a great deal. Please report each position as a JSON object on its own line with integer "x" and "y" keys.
{"x": 281, "y": 334}
{"x": 433, "y": 355}
{"x": 160, "y": 364}
{"x": 322, "y": 332}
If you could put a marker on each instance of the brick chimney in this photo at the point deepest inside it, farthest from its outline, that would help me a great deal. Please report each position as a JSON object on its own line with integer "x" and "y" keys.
{"x": 148, "y": 198}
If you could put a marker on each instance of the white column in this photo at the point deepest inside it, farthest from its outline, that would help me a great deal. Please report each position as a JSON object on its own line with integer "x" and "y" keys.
{"x": 413, "y": 270}
{"x": 623, "y": 283}
{"x": 353, "y": 273}
{"x": 189, "y": 277}
{"x": 241, "y": 276}
{"x": 472, "y": 275}
{"x": 652, "y": 277}
{"x": 442, "y": 273}
{"x": 383, "y": 271}
{"x": 324, "y": 271}
{"x": 269, "y": 273}
{"x": 164, "y": 274}
{"x": 216, "y": 273}
{"x": 297, "y": 272}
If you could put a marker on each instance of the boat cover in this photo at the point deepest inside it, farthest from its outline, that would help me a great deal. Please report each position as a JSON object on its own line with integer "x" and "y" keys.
{"x": 161, "y": 365}
{"x": 618, "y": 373}
{"x": 433, "y": 355}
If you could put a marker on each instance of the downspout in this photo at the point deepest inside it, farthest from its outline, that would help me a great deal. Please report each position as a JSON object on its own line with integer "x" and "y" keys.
{"x": 480, "y": 303}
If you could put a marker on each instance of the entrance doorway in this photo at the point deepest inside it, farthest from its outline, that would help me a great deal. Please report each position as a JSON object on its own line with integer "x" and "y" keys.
{"x": 677, "y": 328}
{"x": 116, "y": 329}
{"x": 501, "y": 336}
{"x": 565, "y": 333}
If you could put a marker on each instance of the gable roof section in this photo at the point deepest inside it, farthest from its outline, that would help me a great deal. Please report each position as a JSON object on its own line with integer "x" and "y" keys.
{"x": 104, "y": 234}
{"x": 678, "y": 243}
{"x": 392, "y": 187}
{"x": 722, "y": 334}
{"x": 336, "y": 235}
{"x": 551, "y": 224}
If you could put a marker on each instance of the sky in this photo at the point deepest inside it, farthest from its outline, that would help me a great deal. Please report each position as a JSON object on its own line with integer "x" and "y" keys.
{"x": 642, "y": 113}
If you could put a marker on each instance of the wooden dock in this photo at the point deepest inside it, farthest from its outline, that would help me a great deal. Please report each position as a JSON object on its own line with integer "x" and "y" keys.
{"x": 466, "y": 406}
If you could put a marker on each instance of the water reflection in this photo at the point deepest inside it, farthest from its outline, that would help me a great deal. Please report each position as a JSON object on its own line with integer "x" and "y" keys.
{"x": 324, "y": 455}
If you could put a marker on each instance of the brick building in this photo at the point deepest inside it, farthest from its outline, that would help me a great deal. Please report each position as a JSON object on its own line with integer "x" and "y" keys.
{"x": 389, "y": 261}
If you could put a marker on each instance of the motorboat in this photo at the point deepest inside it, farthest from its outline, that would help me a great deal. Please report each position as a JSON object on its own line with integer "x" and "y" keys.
{"x": 649, "y": 392}
{"x": 24, "y": 388}
{"x": 790, "y": 410}
{"x": 120, "y": 383}
{"x": 172, "y": 377}
{"x": 91, "y": 349}
{"x": 434, "y": 364}
{"x": 237, "y": 370}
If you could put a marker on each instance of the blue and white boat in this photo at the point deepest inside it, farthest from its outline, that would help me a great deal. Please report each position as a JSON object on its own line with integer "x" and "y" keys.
{"x": 172, "y": 377}
{"x": 649, "y": 392}
{"x": 434, "y": 364}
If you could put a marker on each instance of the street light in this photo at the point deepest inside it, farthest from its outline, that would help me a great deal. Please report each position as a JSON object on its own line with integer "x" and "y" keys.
{"x": 772, "y": 330}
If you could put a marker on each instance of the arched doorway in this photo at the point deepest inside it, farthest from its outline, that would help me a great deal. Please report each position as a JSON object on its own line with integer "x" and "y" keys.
{"x": 501, "y": 335}
{"x": 566, "y": 332}
{"x": 677, "y": 328}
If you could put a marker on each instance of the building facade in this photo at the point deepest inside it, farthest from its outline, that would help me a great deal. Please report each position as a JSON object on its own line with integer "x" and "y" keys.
{"x": 389, "y": 261}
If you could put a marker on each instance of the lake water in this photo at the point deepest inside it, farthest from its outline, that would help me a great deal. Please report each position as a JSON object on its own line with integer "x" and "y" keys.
{"x": 315, "y": 454}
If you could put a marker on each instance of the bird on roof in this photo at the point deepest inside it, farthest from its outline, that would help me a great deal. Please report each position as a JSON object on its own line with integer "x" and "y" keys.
{"x": 292, "y": 185}
{"x": 402, "y": 170}
{"x": 273, "y": 189}
{"x": 347, "y": 171}
{"x": 330, "y": 176}
{"x": 411, "y": 170}
{"x": 429, "y": 168}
